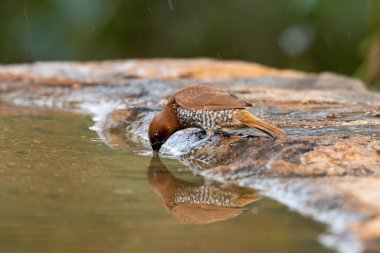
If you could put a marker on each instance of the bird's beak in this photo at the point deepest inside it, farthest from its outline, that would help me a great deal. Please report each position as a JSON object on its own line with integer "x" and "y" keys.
{"x": 157, "y": 145}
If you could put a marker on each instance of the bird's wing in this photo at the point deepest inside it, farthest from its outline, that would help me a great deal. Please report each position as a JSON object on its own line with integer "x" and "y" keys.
{"x": 208, "y": 98}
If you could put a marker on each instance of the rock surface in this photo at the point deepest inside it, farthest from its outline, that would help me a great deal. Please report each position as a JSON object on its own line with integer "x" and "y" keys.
{"x": 328, "y": 167}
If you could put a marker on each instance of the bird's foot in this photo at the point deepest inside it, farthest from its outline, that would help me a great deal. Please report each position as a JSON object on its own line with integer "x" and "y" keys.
{"x": 210, "y": 132}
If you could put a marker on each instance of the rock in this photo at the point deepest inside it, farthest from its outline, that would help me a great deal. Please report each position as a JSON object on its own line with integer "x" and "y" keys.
{"x": 328, "y": 167}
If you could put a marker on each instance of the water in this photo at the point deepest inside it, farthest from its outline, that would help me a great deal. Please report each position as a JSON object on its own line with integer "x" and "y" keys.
{"x": 64, "y": 190}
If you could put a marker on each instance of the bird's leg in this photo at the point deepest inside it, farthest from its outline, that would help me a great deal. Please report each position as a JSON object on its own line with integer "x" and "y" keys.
{"x": 210, "y": 132}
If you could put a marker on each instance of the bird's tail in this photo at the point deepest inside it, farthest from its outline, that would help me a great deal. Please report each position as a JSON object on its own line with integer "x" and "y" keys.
{"x": 250, "y": 120}
{"x": 245, "y": 199}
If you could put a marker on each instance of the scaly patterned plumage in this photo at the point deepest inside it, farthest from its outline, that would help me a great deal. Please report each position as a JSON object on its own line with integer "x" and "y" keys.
{"x": 203, "y": 195}
{"x": 205, "y": 119}
{"x": 207, "y": 108}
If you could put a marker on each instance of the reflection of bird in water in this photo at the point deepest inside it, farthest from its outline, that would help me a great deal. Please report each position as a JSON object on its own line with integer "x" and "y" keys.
{"x": 197, "y": 204}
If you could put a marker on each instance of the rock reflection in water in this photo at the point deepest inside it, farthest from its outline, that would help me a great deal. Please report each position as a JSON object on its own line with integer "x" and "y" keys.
{"x": 191, "y": 203}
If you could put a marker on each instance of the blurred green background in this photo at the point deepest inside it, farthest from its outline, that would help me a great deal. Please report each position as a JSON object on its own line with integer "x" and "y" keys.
{"x": 312, "y": 35}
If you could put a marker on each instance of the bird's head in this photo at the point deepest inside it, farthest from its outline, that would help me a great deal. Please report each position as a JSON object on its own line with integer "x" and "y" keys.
{"x": 163, "y": 125}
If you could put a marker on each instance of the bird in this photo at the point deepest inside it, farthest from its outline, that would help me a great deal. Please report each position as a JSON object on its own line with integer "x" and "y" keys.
{"x": 208, "y": 108}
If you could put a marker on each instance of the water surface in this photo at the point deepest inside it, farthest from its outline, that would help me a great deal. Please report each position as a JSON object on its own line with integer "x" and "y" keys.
{"x": 63, "y": 190}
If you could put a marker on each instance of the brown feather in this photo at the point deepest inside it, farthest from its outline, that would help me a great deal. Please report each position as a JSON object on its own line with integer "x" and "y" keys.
{"x": 250, "y": 120}
{"x": 202, "y": 97}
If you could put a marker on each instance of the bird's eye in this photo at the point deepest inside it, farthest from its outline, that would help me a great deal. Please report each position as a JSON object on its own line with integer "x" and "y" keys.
{"x": 156, "y": 136}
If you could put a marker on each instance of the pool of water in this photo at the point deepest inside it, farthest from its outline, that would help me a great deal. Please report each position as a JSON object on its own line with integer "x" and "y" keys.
{"x": 63, "y": 190}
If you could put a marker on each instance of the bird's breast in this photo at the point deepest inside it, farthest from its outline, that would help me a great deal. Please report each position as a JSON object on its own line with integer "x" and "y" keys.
{"x": 206, "y": 119}
{"x": 203, "y": 195}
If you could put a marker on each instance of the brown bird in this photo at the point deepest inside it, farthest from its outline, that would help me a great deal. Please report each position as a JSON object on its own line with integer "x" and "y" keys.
{"x": 207, "y": 108}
